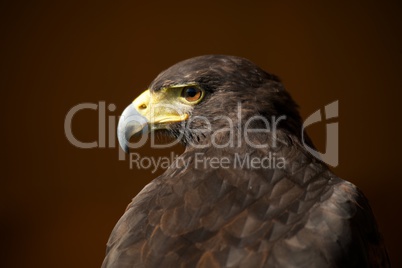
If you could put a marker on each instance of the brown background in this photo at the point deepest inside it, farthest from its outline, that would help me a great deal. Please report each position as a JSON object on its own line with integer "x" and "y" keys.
{"x": 59, "y": 203}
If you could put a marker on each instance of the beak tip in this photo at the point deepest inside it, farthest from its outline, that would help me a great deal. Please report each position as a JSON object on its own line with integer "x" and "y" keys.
{"x": 130, "y": 123}
{"x": 126, "y": 149}
{"x": 123, "y": 142}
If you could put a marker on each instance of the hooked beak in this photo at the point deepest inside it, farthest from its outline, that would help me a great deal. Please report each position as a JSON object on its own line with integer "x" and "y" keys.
{"x": 131, "y": 122}
{"x": 146, "y": 113}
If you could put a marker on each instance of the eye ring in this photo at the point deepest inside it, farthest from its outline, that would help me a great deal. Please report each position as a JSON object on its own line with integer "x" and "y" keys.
{"x": 192, "y": 93}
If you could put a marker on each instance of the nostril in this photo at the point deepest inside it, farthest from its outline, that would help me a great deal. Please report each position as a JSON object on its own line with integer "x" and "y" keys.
{"x": 142, "y": 106}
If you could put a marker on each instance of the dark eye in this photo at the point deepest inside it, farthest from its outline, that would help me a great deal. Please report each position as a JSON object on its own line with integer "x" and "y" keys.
{"x": 191, "y": 94}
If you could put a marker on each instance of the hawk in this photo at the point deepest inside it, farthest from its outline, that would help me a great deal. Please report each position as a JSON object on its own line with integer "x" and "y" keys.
{"x": 226, "y": 202}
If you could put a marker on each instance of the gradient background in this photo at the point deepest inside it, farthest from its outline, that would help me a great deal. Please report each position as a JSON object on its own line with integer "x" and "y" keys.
{"x": 59, "y": 203}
